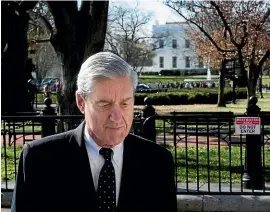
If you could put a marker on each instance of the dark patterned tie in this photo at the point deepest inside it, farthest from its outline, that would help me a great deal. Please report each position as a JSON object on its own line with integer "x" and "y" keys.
{"x": 106, "y": 184}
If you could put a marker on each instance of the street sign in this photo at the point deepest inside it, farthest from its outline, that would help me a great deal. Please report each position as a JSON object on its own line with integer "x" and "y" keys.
{"x": 248, "y": 125}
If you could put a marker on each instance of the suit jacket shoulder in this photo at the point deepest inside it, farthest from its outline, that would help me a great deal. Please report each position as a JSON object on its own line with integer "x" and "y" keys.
{"x": 146, "y": 148}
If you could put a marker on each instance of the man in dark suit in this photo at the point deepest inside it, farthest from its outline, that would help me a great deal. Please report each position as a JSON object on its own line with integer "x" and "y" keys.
{"x": 98, "y": 166}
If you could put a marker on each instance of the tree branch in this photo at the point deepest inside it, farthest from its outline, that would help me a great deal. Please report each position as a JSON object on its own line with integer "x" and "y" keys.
{"x": 227, "y": 28}
{"x": 202, "y": 30}
{"x": 264, "y": 58}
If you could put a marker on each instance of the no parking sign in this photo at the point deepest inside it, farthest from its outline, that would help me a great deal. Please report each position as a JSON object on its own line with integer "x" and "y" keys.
{"x": 248, "y": 125}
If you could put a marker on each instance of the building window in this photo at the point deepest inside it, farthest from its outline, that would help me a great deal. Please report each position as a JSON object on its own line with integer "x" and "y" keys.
{"x": 161, "y": 43}
{"x": 187, "y": 43}
{"x": 174, "y": 44}
{"x": 161, "y": 62}
{"x": 187, "y": 62}
{"x": 200, "y": 61}
{"x": 174, "y": 62}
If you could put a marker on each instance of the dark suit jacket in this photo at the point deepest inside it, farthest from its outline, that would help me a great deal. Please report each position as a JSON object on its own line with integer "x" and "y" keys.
{"x": 54, "y": 174}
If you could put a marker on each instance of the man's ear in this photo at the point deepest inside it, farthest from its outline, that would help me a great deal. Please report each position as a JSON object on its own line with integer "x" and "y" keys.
{"x": 80, "y": 102}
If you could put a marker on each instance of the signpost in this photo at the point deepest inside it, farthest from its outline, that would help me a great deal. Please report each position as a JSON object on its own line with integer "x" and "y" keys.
{"x": 248, "y": 125}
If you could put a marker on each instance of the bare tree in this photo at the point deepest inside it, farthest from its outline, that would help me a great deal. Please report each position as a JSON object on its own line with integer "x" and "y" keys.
{"x": 234, "y": 29}
{"x": 126, "y": 36}
{"x": 41, "y": 50}
{"x": 45, "y": 59}
{"x": 75, "y": 33}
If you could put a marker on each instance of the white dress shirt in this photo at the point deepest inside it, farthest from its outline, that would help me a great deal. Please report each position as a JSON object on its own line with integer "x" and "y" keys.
{"x": 97, "y": 161}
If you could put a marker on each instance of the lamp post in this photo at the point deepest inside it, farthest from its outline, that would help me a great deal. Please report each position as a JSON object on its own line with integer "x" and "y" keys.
{"x": 253, "y": 177}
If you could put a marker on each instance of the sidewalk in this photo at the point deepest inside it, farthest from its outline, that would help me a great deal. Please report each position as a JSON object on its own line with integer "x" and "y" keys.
{"x": 207, "y": 202}
{"x": 192, "y": 187}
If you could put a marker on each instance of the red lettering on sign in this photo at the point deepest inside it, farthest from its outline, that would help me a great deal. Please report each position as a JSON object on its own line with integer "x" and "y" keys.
{"x": 253, "y": 121}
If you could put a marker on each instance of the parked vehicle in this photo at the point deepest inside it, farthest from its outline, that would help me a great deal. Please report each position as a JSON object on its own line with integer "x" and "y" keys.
{"x": 142, "y": 87}
{"x": 50, "y": 82}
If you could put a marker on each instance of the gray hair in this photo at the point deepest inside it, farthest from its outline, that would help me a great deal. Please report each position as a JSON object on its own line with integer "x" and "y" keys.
{"x": 101, "y": 66}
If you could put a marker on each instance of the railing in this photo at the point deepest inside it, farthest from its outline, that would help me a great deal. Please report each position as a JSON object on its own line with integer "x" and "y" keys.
{"x": 209, "y": 157}
{"x": 17, "y": 130}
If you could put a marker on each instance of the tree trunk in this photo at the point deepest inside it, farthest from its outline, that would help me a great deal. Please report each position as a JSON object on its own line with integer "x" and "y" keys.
{"x": 253, "y": 76}
{"x": 67, "y": 101}
{"x": 221, "y": 100}
{"x": 79, "y": 35}
{"x": 251, "y": 88}
{"x": 14, "y": 57}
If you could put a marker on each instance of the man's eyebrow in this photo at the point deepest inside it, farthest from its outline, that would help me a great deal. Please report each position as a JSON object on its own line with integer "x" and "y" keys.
{"x": 109, "y": 101}
{"x": 103, "y": 101}
{"x": 126, "y": 99}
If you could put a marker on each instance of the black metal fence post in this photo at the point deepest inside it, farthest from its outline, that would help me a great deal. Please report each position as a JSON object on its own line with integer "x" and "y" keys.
{"x": 253, "y": 176}
{"x": 148, "y": 127}
{"x": 48, "y": 125}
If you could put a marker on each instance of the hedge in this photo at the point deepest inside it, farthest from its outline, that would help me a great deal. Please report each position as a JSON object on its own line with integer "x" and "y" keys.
{"x": 189, "y": 96}
{"x": 40, "y": 97}
{"x": 180, "y": 96}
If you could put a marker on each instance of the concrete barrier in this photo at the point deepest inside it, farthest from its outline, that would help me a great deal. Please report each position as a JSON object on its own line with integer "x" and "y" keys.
{"x": 232, "y": 203}
{"x": 206, "y": 203}
{"x": 6, "y": 198}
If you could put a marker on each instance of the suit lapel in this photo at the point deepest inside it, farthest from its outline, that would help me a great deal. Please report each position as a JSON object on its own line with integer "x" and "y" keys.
{"x": 83, "y": 175}
{"x": 125, "y": 193}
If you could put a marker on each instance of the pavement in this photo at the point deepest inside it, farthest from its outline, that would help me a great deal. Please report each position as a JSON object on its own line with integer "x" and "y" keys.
{"x": 200, "y": 202}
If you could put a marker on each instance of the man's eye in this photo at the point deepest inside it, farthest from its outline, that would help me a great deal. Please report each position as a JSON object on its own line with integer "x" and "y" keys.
{"x": 104, "y": 104}
{"x": 125, "y": 104}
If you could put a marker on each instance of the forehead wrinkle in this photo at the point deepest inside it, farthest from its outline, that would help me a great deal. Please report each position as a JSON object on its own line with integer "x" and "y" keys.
{"x": 111, "y": 100}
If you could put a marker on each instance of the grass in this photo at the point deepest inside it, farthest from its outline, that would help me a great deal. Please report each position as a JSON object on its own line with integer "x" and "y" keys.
{"x": 21, "y": 128}
{"x": 181, "y": 163}
{"x": 266, "y": 80}
{"x": 190, "y": 166}
{"x": 10, "y": 162}
{"x": 40, "y": 97}
{"x": 170, "y": 79}
{"x": 239, "y": 107}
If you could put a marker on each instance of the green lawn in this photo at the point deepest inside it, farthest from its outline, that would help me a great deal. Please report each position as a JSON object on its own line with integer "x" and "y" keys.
{"x": 171, "y": 79}
{"x": 192, "y": 164}
{"x": 10, "y": 162}
{"x": 214, "y": 166}
{"x": 239, "y": 107}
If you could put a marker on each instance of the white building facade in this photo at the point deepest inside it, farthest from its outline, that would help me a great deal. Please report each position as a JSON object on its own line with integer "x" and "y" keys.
{"x": 174, "y": 49}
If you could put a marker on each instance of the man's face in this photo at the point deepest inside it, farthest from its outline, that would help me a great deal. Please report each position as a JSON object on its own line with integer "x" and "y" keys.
{"x": 109, "y": 111}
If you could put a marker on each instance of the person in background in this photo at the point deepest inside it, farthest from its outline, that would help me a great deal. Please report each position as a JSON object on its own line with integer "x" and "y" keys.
{"x": 32, "y": 90}
{"x": 99, "y": 166}
{"x": 58, "y": 92}
{"x": 149, "y": 128}
{"x": 46, "y": 91}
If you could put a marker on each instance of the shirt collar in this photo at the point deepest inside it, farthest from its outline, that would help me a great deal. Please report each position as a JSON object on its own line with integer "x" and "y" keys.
{"x": 93, "y": 148}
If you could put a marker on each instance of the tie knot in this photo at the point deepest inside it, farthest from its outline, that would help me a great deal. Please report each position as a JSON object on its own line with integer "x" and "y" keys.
{"x": 106, "y": 153}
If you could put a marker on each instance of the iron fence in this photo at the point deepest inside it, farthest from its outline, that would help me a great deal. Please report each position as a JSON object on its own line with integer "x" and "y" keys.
{"x": 209, "y": 157}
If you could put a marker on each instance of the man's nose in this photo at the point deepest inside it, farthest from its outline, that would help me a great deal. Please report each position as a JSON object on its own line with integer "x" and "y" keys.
{"x": 116, "y": 115}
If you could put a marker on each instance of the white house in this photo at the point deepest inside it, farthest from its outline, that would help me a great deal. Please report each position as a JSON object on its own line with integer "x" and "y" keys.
{"x": 174, "y": 50}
